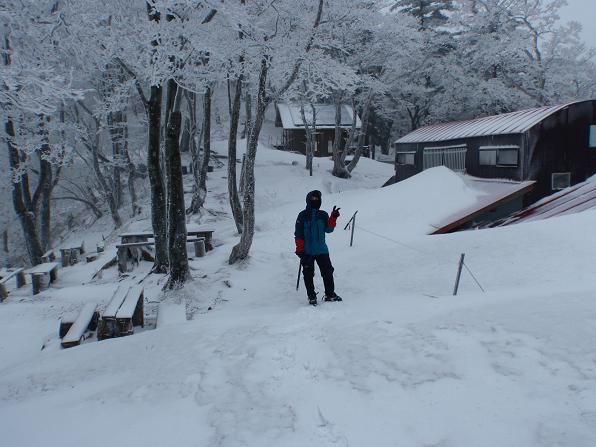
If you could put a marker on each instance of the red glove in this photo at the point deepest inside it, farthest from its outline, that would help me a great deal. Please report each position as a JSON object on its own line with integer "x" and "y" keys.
{"x": 299, "y": 247}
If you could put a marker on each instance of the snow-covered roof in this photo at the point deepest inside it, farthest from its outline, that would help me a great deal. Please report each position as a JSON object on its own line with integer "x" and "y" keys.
{"x": 291, "y": 118}
{"x": 506, "y": 123}
{"x": 574, "y": 199}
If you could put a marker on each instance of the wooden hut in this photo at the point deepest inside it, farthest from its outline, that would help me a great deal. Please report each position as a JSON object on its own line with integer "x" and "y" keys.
{"x": 554, "y": 146}
{"x": 293, "y": 138}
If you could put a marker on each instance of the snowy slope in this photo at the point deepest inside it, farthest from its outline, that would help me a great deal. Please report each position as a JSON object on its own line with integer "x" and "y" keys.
{"x": 399, "y": 362}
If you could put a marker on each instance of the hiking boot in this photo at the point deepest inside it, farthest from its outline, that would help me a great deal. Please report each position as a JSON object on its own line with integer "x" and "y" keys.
{"x": 312, "y": 299}
{"x": 332, "y": 297}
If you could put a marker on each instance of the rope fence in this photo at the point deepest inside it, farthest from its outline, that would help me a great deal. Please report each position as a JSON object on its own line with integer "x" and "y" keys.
{"x": 351, "y": 225}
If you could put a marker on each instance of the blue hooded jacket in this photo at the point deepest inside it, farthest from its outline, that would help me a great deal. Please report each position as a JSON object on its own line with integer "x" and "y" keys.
{"x": 311, "y": 226}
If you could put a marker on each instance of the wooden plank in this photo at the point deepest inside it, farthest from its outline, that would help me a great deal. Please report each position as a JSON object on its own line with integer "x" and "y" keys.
{"x": 115, "y": 303}
{"x": 77, "y": 330}
{"x": 66, "y": 321}
{"x": 44, "y": 268}
{"x": 127, "y": 308}
{"x": 135, "y": 244}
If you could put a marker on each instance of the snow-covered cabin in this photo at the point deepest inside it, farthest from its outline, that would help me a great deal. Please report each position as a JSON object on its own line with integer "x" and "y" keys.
{"x": 555, "y": 146}
{"x": 293, "y": 137}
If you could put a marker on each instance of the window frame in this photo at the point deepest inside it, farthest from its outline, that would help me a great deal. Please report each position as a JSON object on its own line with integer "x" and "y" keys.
{"x": 413, "y": 153}
{"x": 552, "y": 180}
{"x": 496, "y": 150}
{"x": 456, "y": 152}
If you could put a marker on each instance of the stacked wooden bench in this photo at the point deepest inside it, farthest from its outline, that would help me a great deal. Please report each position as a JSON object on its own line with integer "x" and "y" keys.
{"x": 48, "y": 256}
{"x": 206, "y": 233}
{"x": 43, "y": 275}
{"x": 133, "y": 251}
{"x": 123, "y": 313}
{"x": 93, "y": 256}
{"x": 74, "y": 332}
{"x": 19, "y": 274}
{"x": 72, "y": 255}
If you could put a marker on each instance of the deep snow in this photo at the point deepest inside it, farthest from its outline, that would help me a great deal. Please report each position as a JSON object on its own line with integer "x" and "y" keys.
{"x": 400, "y": 362}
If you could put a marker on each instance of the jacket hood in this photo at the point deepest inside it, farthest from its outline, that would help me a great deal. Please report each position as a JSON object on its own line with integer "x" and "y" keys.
{"x": 309, "y": 196}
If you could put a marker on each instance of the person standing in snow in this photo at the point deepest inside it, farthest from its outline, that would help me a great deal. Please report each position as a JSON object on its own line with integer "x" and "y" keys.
{"x": 311, "y": 225}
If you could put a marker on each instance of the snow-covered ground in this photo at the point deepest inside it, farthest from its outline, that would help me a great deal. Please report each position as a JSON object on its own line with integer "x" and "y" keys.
{"x": 400, "y": 362}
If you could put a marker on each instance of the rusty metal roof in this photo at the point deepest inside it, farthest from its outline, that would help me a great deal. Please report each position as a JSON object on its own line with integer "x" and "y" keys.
{"x": 506, "y": 123}
{"x": 574, "y": 199}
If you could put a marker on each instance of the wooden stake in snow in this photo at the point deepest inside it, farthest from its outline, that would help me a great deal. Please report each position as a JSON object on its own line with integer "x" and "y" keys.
{"x": 459, "y": 267}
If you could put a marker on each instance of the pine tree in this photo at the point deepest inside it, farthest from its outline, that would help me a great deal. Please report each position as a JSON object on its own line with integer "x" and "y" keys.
{"x": 428, "y": 13}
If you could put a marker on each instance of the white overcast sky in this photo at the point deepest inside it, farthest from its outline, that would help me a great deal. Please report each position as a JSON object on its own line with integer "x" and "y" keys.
{"x": 584, "y": 12}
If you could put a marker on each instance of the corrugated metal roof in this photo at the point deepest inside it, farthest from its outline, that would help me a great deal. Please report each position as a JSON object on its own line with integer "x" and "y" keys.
{"x": 574, "y": 199}
{"x": 291, "y": 118}
{"x": 506, "y": 123}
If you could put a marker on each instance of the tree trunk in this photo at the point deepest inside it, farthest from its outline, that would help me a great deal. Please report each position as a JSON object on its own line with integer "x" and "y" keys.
{"x": 45, "y": 211}
{"x": 5, "y": 248}
{"x": 25, "y": 217}
{"x": 200, "y": 191}
{"x": 232, "y": 140}
{"x": 310, "y": 135}
{"x": 362, "y": 136}
{"x": 248, "y": 113}
{"x": 241, "y": 250}
{"x": 114, "y": 120}
{"x": 339, "y": 167}
{"x": 132, "y": 170}
{"x": 178, "y": 256}
{"x": 158, "y": 200}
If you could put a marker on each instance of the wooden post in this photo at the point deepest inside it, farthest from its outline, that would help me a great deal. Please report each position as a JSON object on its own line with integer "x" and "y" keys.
{"x": 53, "y": 274}
{"x": 200, "y": 248}
{"x": 36, "y": 283}
{"x": 208, "y": 241}
{"x": 65, "y": 257}
{"x": 21, "y": 280}
{"x": 459, "y": 267}
{"x": 353, "y": 226}
{"x": 82, "y": 249}
{"x": 122, "y": 259}
{"x": 74, "y": 255}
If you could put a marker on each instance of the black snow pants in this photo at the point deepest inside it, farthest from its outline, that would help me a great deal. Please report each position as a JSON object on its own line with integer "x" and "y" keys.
{"x": 308, "y": 270}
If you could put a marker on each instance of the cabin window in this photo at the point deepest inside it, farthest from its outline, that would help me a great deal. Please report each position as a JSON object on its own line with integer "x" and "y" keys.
{"x": 501, "y": 156}
{"x": 406, "y": 158}
{"x": 487, "y": 157}
{"x": 561, "y": 180}
{"x": 453, "y": 157}
{"x": 593, "y": 136}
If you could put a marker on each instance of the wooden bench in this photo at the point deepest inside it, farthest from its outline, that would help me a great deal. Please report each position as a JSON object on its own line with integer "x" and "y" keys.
{"x": 207, "y": 233}
{"x": 86, "y": 321}
{"x": 139, "y": 236}
{"x": 19, "y": 274}
{"x": 125, "y": 311}
{"x": 72, "y": 255}
{"x": 134, "y": 251}
{"x": 48, "y": 256}
{"x": 42, "y": 275}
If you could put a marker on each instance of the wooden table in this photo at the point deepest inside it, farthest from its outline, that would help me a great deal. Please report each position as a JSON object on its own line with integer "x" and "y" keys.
{"x": 47, "y": 269}
{"x": 144, "y": 236}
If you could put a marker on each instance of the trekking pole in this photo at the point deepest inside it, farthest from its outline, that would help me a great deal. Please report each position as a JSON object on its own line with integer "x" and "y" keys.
{"x": 298, "y": 280}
